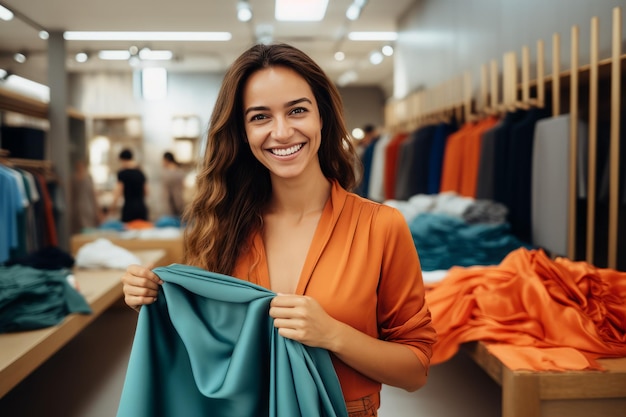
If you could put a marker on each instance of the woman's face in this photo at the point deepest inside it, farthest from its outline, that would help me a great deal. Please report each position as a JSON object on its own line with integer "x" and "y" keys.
{"x": 282, "y": 121}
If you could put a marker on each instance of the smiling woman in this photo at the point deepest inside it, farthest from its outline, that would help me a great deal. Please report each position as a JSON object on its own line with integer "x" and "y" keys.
{"x": 274, "y": 208}
{"x": 283, "y": 132}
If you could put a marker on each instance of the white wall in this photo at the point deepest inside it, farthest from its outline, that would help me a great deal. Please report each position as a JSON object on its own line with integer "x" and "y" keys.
{"x": 363, "y": 105}
{"x": 112, "y": 94}
{"x": 440, "y": 39}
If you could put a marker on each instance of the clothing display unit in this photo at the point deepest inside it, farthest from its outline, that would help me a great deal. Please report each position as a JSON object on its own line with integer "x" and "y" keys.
{"x": 573, "y": 202}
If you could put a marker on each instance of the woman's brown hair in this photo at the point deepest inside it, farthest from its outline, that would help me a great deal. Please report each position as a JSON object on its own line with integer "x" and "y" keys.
{"x": 233, "y": 188}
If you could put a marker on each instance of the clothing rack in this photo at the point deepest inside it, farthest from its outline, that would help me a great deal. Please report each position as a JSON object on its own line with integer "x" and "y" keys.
{"x": 412, "y": 111}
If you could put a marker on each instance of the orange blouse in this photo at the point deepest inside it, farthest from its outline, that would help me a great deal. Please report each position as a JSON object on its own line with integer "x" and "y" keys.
{"x": 363, "y": 268}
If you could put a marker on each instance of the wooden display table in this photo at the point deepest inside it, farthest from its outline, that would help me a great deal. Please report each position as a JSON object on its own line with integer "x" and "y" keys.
{"x": 173, "y": 246}
{"x": 556, "y": 394}
{"x": 23, "y": 352}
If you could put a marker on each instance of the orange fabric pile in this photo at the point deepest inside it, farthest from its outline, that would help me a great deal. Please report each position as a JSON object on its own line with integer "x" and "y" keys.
{"x": 540, "y": 313}
{"x": 139, "y": 224}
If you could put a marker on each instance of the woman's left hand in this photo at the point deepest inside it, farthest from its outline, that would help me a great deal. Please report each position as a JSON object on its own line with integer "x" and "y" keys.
{"x": 301, "y": 318}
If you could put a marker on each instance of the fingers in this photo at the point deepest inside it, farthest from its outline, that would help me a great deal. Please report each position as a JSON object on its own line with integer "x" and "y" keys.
{"x": 140, "y": 286}
{"x": 134, "y": 272}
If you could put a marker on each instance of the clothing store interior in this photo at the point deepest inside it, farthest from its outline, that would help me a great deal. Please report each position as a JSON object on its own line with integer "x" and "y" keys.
{"x": 496, "y": 128}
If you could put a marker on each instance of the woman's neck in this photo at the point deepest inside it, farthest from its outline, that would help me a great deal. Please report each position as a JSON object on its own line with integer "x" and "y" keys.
{"x": 299, "y": 197}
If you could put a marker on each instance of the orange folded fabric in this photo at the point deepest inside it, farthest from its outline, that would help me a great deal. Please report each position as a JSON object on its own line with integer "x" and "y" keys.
{"x": 538, "y": 313}
{"x": 139, "y": 224}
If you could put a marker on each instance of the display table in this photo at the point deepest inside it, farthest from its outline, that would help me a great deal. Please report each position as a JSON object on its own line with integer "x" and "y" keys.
{"x": 23, "y": 352}
{"x": 173, "y": 246}
{"x": 556, "y": 394}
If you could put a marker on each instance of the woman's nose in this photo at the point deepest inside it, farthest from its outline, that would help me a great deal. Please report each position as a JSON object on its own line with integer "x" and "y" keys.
{"x": 282, "y": 128}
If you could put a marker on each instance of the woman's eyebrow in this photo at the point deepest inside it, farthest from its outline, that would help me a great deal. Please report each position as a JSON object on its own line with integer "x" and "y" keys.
{"x": 297, "y": 101}
{"x": 288, "y": 104}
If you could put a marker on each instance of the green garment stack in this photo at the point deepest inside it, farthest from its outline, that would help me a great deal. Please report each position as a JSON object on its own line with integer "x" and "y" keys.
{"x": 208, "y": 347}
{"x": 33, "y": 298}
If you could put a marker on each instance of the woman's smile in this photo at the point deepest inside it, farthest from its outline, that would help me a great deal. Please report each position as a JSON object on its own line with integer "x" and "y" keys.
{"x": 287, "y": 152}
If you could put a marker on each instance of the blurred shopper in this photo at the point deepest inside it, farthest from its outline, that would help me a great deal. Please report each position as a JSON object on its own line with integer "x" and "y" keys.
{"x": 132, "y": 187}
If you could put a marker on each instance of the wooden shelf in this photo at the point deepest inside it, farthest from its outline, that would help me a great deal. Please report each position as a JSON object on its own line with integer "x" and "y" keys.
{"x": 23, "y": 352}
{"x": 555, "y": 394}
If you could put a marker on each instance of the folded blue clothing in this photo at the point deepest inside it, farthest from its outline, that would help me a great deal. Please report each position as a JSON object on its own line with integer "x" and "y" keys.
{"x": 208, "y": 347}
{"x": 33, "y": 298}
{"x": 444, "y": 241}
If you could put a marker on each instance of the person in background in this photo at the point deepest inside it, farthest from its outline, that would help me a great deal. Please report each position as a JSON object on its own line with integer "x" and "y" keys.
{"x": 172, "y": 178}
{"x": 273, "y": 207}
{"x": 85, "y": 210}
{"x": 132, "y": 187}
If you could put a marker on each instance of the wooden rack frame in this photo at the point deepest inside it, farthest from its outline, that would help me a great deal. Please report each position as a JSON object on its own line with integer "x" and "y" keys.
{"x": 403, "y": 115}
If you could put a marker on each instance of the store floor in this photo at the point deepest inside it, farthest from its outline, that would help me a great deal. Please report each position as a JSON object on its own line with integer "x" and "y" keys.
{"x": 85, "y": 378}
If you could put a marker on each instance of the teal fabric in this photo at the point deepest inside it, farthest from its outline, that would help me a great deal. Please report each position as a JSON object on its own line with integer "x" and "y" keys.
{"x": 444, "y": 241}
{"x": 208, "y": 347}
{"x": 36, "y": 298}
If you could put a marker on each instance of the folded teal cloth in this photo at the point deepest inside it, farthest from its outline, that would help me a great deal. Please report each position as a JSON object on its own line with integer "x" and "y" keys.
{"x": 208, "y": 347}
{"x": 32, "y": 298}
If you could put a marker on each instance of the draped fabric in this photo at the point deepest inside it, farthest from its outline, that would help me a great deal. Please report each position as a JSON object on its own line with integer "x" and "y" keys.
{"x": 536, "y": 313}
{"x": 208, "y": 347}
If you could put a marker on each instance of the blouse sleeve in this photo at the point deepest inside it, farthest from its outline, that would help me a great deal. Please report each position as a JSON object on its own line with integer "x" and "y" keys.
{"x": 403, "y": 315}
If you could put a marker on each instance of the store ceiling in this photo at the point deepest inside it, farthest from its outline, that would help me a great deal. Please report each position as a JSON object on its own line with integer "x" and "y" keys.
{"x": 319, "y": 39}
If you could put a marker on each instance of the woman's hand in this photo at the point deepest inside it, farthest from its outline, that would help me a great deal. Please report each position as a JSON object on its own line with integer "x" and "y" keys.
{"x": 303, "y": 319}
{"x": 141, "y": 286}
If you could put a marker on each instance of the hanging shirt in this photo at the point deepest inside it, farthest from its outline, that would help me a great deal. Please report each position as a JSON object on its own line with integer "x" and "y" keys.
{"x": 363, "y": 269}
{"x": 208, "y": 347}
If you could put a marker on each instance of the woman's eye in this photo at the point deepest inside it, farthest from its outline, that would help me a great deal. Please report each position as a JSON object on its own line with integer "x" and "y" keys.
{"x": 298, "y": 110}
{"x": 257, "y": 117}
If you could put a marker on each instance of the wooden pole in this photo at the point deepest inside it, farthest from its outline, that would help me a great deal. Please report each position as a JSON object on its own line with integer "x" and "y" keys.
{"x": 615, "y": 133}
{"x": 556, "y": 73}
{"x": 526, "y": 76}
{"x": 573, "y": 144}
{"x": 593, "y": 139}
{"x": 541, "y": 87}
{"x": 495, "y": 94}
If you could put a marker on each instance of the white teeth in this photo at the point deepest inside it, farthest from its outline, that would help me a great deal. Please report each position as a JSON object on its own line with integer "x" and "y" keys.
{"x": 288, "y": 151}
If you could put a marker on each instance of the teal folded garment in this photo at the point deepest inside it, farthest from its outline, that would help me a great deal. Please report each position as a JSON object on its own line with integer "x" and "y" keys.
{"x": 208, "y": 347}
{"x": 32, "y": 298}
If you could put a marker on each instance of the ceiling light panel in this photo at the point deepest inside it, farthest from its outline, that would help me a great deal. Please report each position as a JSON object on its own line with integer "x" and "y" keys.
{"x": 373, "y": 36}
{"x": 147, "y": 36}
{"x": 150, "y": 55}
{"x": 112, "y": 55}
{"x": 5, "y": 14}
{"x": 300, "y": 10}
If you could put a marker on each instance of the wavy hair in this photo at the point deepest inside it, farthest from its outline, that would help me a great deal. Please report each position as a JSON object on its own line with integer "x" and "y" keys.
{"x": 233, "y": 188}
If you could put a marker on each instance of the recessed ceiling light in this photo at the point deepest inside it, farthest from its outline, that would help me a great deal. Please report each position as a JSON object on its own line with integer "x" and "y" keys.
{"x": 300, "y": 10}
{"x": 19, "y": 57}
{"x": 376, "y": 57}
{"x": 81, "y": 57}
{"x": 244, "y": 11}
{"x": 147, "y": 36}
{"x": 340, "y": 56}
{"x": 387, "y": 50}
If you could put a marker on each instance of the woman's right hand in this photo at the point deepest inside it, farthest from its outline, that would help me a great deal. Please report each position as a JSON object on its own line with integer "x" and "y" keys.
{"x": 141, "y": 286}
